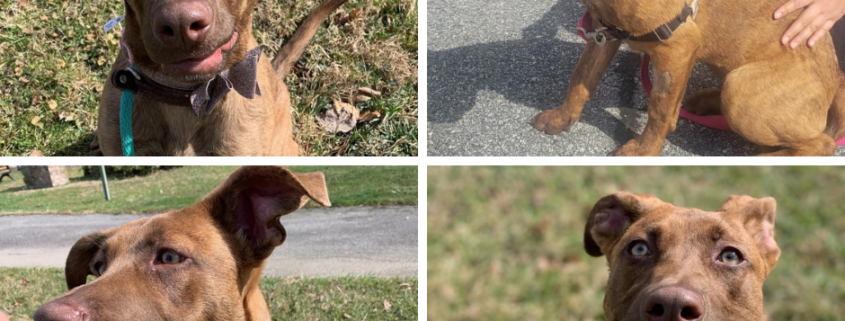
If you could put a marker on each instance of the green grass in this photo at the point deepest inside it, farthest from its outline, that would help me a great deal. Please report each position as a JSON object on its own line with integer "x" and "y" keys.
{"x": 55, "y": 59}
{"x": 506, "y": 243}
{"x": 22, "y": 291}
{"x": 181, "y": 187}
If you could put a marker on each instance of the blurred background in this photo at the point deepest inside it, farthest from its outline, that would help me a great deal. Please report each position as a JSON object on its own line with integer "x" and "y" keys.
{"x": 506, "y": 243}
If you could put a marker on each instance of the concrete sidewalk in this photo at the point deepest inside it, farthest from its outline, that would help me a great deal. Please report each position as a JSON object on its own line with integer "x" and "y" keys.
{"x": 326, "y": 242}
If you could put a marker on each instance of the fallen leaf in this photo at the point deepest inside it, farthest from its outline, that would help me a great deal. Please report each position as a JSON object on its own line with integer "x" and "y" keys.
{"x": 334, "y": 121}
{"x": 24, "y": 281}
{"x": 387, "y": 305}
{"x": 35, "y": 120}
{"x": 347, "y": 316}
{"x": 368, "y": 116}
{"x": 362, "y": 98}
{"x": 52, "y": 104}
{"x": 369, "y": 91}
{"x": 340, "y": 106}
{"x": 354, "y": 15}
{"x": 66, "y": 117}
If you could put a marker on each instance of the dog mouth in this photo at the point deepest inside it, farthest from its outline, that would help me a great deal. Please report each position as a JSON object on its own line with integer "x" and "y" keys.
{"x": 203, "y": 65}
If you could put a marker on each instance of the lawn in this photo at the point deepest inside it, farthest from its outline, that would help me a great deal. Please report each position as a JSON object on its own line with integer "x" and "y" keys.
{"x": 22, "y": 291}
{"x": 55, "y": 58}
{"x": 506, "y": 243}
{"x": 181, "y": 187}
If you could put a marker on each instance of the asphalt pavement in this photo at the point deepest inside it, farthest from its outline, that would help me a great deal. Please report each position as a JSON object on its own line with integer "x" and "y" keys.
{"x": 372, "y": 241}
{"x": 494, "y": 64}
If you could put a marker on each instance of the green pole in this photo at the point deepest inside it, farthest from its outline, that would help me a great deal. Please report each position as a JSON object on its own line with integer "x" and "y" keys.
{"x": 105, "y": 182}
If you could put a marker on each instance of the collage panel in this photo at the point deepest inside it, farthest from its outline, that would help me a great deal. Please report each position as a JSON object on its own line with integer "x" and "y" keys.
{"x": 635, "y": 243}
{"x": 208, "y": 243}
{"x": 635, "y": 78}
{"x": 209, "y": 78}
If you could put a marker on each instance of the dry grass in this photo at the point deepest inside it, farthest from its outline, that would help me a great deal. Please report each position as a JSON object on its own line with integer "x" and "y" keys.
{"x": 57, "y": 58}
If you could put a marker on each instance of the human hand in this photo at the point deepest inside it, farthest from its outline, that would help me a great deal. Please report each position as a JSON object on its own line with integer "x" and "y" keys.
{"x": 3, "y": 317}
{"x": 816, "y": 19}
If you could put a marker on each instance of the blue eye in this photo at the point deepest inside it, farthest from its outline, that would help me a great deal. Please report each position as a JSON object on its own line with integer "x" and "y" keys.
{"x": 730, "y": 256}
{"x": 170, "y": 257}
{"x": 99, "y": 268}
{"x": 639, "y": 248}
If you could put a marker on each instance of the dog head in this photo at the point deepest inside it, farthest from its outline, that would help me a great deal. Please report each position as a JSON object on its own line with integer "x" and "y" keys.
{"x": 183, "y": 43}
{"x": 671, "y": 263}
{"x": 190, "y": 264}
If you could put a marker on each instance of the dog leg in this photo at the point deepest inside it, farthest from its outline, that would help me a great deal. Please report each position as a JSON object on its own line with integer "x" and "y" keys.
{"x": 766, "y": 110}
{"x": 589, "y": 70}
{"x": 672, "y": 68}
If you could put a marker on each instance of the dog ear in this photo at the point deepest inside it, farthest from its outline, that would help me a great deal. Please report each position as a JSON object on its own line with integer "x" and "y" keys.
{"x": 78, "y": 264}
{"x": 248, "y": 205}
{"x": 611, "y": 217}
{"x": 757, "y": 215}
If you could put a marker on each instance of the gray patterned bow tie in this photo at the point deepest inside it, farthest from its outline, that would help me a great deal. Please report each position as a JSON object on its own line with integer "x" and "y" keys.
{"x": 242, "y": 77}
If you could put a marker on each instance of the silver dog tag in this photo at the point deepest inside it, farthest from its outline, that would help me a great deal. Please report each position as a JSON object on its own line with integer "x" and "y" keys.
{"x": 597, "y": 36}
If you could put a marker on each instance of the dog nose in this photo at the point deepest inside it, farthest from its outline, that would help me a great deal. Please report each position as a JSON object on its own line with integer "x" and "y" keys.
{"x": 674, "y": 303}
{"x": 183, "y": 22}
{"x": 60, "y": 311}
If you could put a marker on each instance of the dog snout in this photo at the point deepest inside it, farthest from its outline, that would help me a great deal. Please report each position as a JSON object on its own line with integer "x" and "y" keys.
{"x": 674, "y": 303}
{"x": 61, "y": 311}
{"x": 183, "y": 23}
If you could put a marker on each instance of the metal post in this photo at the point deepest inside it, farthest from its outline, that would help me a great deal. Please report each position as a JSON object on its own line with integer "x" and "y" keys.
{"x": 105, "y": 182}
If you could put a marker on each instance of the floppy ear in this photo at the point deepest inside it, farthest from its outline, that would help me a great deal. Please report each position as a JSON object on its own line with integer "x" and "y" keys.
{"x": 758, "y": 218}
{"x": 248, "y": 205}
{"x": 611, "y": 217}
{"x": 78, "y": 264}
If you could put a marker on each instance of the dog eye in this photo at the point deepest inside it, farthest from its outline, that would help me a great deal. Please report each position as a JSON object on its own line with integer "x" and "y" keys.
{"x": 99, "y": 268}
{"x": 640, "y": 248}
{"x": 730, "y": 256}
{"x": 170, "y": 257}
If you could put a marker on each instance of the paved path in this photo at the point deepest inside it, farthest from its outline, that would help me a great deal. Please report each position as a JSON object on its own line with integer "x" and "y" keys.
{"x": 378, "y": 241}
{"x": 494, "y": 64}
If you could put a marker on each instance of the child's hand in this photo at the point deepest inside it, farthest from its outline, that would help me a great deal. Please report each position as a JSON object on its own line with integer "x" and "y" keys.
{"x": 816, "y": 19}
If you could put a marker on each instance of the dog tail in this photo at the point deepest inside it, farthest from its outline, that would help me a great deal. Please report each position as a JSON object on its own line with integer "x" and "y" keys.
{"x": 294, "y": 48}
{"x": 836, "y": 114}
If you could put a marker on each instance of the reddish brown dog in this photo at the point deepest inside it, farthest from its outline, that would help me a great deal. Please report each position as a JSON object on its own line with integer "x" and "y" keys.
{"x": 203, "y": 262}
{"x": 184, "y": 44}
{"x": 788, "y": 102}
{"x": 672, "y": 263}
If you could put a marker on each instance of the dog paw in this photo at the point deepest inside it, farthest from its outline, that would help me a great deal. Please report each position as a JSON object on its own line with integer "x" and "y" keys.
{"x": 554, "y": 121}
{"x": 634, "y": 148}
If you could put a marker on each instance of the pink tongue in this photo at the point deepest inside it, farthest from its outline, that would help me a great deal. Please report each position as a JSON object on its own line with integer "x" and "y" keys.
{"x": 209, "y": 63}
{"x": 201, "y": 65}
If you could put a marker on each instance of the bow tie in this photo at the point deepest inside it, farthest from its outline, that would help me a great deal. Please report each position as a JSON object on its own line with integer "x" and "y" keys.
{"x": 242, "y": 77}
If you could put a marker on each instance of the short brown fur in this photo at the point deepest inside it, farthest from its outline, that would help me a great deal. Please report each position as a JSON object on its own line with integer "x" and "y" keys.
{"x": 238, "y": 126}
{"x": 686, "y": 245}
{"x": 788, "y": 102}
{"x": 218, "y": 280}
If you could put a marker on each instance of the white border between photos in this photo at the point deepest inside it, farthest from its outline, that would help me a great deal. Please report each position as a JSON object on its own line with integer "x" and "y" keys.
{"x": 423, "y": 161}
